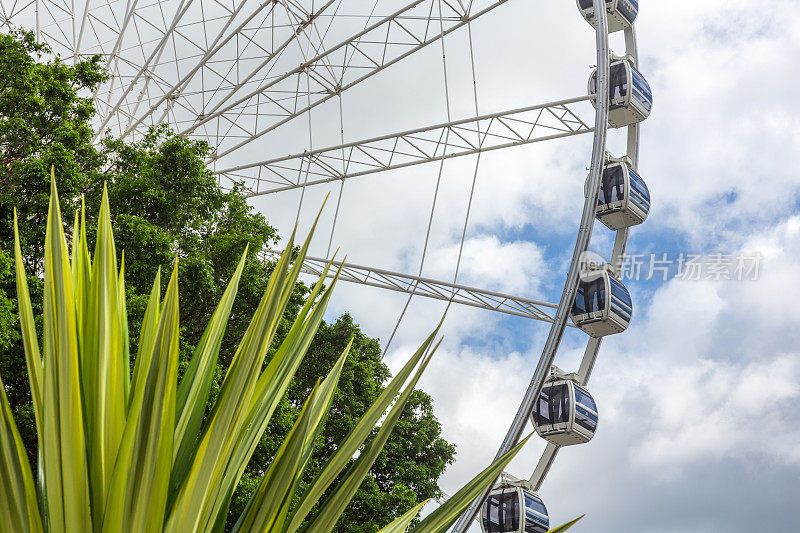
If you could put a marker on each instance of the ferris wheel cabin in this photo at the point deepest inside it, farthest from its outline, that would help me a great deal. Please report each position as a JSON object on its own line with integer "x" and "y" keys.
{"x": 566, "y": 413}
{"x": 621, "y": 13}
{"x": 624, "y": 199}
{"x": 631, "y": 98}
{"x": 602, "y": 306}
{"x": 512, "y": 508}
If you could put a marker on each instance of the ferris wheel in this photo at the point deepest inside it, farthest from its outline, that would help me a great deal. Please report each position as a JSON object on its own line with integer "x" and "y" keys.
{"x": 240, "y": 73}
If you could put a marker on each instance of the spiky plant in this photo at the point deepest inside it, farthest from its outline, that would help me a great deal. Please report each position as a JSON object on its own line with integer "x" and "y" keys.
{"x": 122, "y": 451}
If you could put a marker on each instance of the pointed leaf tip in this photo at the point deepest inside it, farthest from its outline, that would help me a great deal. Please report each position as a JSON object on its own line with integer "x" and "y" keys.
{"x": 53, "y": 187}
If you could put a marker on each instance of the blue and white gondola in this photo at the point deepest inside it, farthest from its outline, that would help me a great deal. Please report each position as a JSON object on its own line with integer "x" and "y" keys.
{"x": 631, "y": 98}
{"x": 566, "y": 413}
{"x": 514, "y": 508}
{"x": 624, "y": 199}
{"x": 603, "y": 305}
{"x": 621, "y": 13}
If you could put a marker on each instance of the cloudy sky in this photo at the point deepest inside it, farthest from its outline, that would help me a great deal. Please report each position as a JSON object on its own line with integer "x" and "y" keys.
{"x": 699, "y": 429}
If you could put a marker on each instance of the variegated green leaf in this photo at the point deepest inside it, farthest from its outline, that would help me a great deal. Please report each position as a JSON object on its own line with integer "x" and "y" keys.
{"x": 33, "y": 358}
{"x": 63, "y": 445}
{"x": 561, "y": 529}
{"x": 269, "y": 506}
{"x": 446, "y": 514}
{"x": 196, "y": 382}
{"x": 218, "y": 462}
{"x": 270, "y": 388}
{"x": 147, "y": 337}
{"x": 140, "y": 481}
{"x": 400, "y": 524}
{"x": 200, "y": 486}
{"x": 105, "y": 363}
{"x": 81, "y": 269}
{"x": 347, "y": 449}
{"x": 19, "y": 510}
{"x": 123, "y": 308}
{"x": 335, "y": 505}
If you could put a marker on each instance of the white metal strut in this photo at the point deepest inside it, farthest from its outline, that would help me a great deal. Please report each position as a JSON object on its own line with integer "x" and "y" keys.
{"x": 331, "y": 72}
{"x": 429, "y": 288}
{"x": 554, "y": 120}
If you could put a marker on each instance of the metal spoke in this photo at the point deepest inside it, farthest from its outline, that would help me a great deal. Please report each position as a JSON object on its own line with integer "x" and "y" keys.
{"x": 430, "y": 288}
{"x": 354, "y": 60}
{"x": 423, "y": 145}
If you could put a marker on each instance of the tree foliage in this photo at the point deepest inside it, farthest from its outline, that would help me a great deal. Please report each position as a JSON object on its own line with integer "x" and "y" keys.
{"x": 44, "y": 124}
{"x": 166, "y": 204}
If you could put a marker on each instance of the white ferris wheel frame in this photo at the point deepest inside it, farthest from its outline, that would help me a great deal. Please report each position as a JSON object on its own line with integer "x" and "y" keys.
{"x": 330, "y": 69}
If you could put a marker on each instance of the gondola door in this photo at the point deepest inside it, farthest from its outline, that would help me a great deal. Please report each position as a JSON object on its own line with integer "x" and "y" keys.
{"x": 501, "y": 512}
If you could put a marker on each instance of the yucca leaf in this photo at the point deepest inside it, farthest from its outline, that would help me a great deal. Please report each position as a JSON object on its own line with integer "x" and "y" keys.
{"x": 81, "y": 270}
{"x": 271, "y": 386}
{"x": 140, "y": 481}
{"x": 75, "y": 245}
{"x": 147, "y": 336}
{"x": 104, "y": 362}
{"x": 274, "y": 490}
{"x": 400, "y": 524}
{"x": 33, "y": 362}
{"x": 196, "y": 382}
{"x": 63, "y": 444}
{"x": 204, "y": 492}
{"x": 30, "y": 342}
{"x": 268, "y": 508}
{"x": 124, "y": 330}
{"x": 19, "y": 511}
{"x": 336, "y": 503}
{"x": 348, "y": 447}
{"x": 561, "y": 529}
{"x": 200, "y": 486}
{"x": 446, "y": 514}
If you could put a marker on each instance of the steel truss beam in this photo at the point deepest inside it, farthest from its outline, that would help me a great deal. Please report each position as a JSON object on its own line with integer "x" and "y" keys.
{"x": 145, "y": 70}
{"x": 10, "y": 10}
{"x": 423, "y": 145}
{"x": 332, "y": 71}
{"x": 216, "y": 61}
{"x": 160, "y": 71}
{"x": 246, "y": 79}
{"x": 438, "y": 290}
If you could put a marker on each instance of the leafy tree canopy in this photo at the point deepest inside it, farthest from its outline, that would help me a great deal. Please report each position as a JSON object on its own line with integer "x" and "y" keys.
{"x": 166, "y": 203}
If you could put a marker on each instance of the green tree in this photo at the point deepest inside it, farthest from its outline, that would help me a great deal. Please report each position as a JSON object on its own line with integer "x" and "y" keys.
{"x": 166, "y": 204}
{"x": 44, "y": 124}
{"x": 8, "y": 336}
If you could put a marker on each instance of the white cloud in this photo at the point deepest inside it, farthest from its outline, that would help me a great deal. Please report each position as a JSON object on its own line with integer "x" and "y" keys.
{"x": 718, "y": 151}
{"x": 512, "y": 267}
{"x": 713, "y": 410}
{"x": 687, "y": 411}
